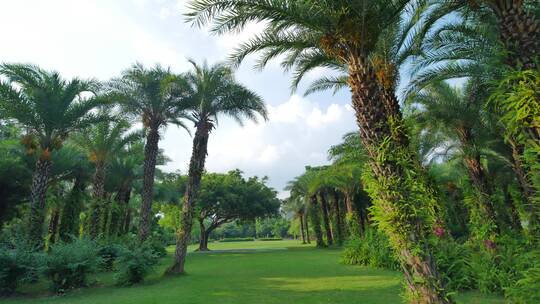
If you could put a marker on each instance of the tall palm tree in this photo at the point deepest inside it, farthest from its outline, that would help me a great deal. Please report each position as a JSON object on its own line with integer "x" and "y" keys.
{"x": 126, "y": 168}
{"x": 81, "y": 176}
{"x": 295, "y": 205}
{"x": 215, "y": 93}
{"x": 457, "y": 114}
{"x": 347, "y": 180}
{"x": 103, "y": 142}
{"x": 300, "y": 188}
{"x": 49, "y": 108}
{"x": 320, "y": 186}
{"x": 468, "y": 47}
{"x": 336, "y": 33}
{"x": 158, "y": 98}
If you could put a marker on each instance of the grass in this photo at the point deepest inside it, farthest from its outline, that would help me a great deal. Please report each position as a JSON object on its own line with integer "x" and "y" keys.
{"x": 248, "y": 272}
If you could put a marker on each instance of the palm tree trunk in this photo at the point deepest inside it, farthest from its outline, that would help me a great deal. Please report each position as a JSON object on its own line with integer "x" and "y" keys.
{"x": 122, "y": 198}
{"x": 196, "y": 167}
{"x": 512, "y": 216}
{"x": 471, "y": 160}
{"x": 53, "y": 225}
{"x": 326, "y": 219}
{"x": 69, "y": 221}
{"x": 352, "y": 217}
{"x": 339, "y": 219}
{"x": 316, "y": 221}
{"x": 40, "y": 182}
{"x": 150, "y": 157}
{"x": 520, "y": 34}
{"x": 301, "y": 217}
{"x": 306, "y": 223}
{"x": 526, "y": 188}
{"x": 98, "y": 200}
{"x": 405, "y": 204}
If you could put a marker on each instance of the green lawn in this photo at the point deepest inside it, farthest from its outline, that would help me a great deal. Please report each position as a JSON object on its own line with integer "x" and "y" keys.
{"x": 265, "y": 272}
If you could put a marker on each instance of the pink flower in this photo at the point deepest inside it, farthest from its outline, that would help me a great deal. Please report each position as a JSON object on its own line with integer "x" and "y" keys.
{"x": 490, "y": 244}
{"x": 439, "y": 231}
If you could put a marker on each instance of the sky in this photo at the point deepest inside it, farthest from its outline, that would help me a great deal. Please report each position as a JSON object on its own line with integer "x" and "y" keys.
{"x": 100, "y": 38}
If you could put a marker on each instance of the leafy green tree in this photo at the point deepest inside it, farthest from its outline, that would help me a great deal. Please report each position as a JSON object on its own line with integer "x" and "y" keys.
{"x": 103, "y": 142}
{"x": 215, "y": 93}
{"x": 224, "y": 198}
{"x": 49, "y": 108}
{"x": 158, "y": 98}
{"x": 337, "y": 33}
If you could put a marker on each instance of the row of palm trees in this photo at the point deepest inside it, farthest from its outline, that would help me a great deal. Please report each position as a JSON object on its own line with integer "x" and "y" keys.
{"x": 370, "y": 41}
{"x": 53, "y": 112}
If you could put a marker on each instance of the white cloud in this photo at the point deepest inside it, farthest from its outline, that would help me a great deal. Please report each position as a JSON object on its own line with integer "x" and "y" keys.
{"x": 298, "y": 133}
{"x": 100, "y": 38}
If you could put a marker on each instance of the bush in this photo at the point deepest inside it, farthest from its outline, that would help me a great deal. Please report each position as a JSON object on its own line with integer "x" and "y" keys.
{"x": 453, "y": 263}
{"x": 17, "y": 265}
{"x": 246, "y": 239}
{"x": 498, "y": 270}
{"x": 134, "y": 263}
{"x": 109, "y": 253}
{"x": 68, "y": 264}
{"x": 270, "y": 239}
{"x": 371, "y": 249}
{"x": 157, "y": 247}
{"x": 526, "y": 289}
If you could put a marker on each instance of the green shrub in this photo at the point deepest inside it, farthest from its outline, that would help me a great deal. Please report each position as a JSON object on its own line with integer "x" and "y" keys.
{"x": 270, "y": 239}
{"x": 108, "y": 253}
{"x": 453, "y": 263}
{"x": 68, "y": 264}
{"x": 371, "y": 249}
{"x": 245, "y": 239}
{"x": 527, "y": 289}
{"x": 134, "y": 263}
{"x": 17, "y": 265}
{"x": 494, "y": 271}
{"x": 157, "y": 247}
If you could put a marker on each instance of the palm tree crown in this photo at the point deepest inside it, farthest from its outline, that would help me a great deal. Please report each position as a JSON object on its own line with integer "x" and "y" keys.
{"x": 48, "y": 106}
{"x": 157, "y": 96}
{"x": 216, "y": 92}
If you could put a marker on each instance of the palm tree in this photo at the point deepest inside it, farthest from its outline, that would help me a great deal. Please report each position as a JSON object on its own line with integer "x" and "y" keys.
{"x": 70, "y": 166}
{"x": 300, "y": 188}
{"x": 215, "y": 93}
{"x": 468, "y": 47}
{"x": 80, "y": 175}
{"x": 347, "y": 180}
{"x": 49, "y": 108}
{"x": 295, "y": 205}
{"x": 321, "y": 186}
{"x": 103, "y": 142}
{"x": 125, "y": 170}
{"x": 517, "y": 22}
{"x": 158, "y": 98}
{"x": 351, "y": 33}
{"x": 456, "y": 113}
